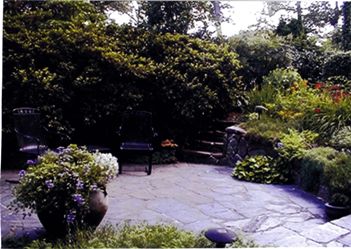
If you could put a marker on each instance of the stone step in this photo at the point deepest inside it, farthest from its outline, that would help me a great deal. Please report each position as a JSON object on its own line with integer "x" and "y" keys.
{"x": 204, "y": 153}
{"x": 206, "y": 145}
{"x": 198, "y": 156}
{"x": 214, "y": 135}
{"x": 222, "y": 124}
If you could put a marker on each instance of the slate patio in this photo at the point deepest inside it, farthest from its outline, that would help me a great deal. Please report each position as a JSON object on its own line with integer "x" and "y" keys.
{"x": 196, "y": 197}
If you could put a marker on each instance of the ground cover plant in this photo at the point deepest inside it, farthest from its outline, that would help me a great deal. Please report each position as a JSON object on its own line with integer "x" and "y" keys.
{"x": 126, "y": 236}
{"x": 260, "y": 169}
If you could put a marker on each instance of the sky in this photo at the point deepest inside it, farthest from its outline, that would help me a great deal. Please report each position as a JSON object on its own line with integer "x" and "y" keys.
{"x": 243, "y": 14}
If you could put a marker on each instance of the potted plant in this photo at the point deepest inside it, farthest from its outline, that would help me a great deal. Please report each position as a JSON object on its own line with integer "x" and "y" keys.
{"x": 337, "y": 179}
{"x": 66, "y": 188}
{"x": 338, "y": 206}
{"x": 167, "y": 152}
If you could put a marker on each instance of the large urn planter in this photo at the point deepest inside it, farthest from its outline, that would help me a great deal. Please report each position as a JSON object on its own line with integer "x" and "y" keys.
{"x": 55, "y": 223}
{"x": 336, "y": 212}
{"x": 67, "y": 189}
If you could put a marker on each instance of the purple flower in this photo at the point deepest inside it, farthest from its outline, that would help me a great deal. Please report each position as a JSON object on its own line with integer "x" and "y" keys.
{"x": 93, "y": 187}
{"x": 22, "y": 173}
{"x": 79, "y": 184}
{"x": 49, "y": 184}
{"x": 31, "y": 162}
{"x": 60, "y": 149}
{"x": 279, "y": 145}
{"x": 78, "y": 198}
{"x": 70, "y": 218}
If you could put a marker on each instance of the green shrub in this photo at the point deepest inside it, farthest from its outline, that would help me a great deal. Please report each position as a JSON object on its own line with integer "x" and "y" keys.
{"x": 282, "y": 78}
{"x": 263, "y": 96}
{"x": 338, "y": 64}
{"x": 84, "y": 72}
{"x": 337, "y": 178}
{"x": 294, "y": 143}
{"x": 342, "y": 138}
{"x": 260, "y": 169}
{"x": 309, "y": 62}
{"x": 260, "y": 52}
{"x": 291, "y": 148}
{"x": 266, "y": 128}
{"x": 312, "y": 167}
{"x": 126, "y": 236}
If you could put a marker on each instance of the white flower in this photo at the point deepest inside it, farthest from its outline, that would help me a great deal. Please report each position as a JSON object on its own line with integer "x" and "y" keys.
{"x": 107, "y": 161}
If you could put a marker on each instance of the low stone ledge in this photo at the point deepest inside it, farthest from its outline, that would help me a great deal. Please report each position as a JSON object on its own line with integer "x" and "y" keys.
{"x": 236, "y": 130}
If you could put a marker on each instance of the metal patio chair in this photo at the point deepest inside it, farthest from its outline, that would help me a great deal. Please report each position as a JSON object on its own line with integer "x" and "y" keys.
{"x": 29, "y": 131}
{"x": 136, "y": 136}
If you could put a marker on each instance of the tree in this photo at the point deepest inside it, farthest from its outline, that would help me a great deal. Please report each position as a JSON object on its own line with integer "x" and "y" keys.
{"x": 301, "y": 17}
{"x": 105, "y": 6}
{"x": 319, "y": 15}
{"x": 179, "y": 16}
{"x": 293, "y": 27}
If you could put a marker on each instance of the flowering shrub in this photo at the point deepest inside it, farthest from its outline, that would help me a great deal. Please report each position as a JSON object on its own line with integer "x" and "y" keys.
{"x": 63, "y": 180}
{"x": 168, "y": 143}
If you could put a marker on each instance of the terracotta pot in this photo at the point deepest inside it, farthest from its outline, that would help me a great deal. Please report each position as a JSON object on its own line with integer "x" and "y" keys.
{"x": 335, "y": 212}
{"x": 54, "y": 222}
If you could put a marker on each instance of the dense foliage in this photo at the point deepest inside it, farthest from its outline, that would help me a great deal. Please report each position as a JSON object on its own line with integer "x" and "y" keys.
{"x": 263, "y": 51}
{"x": 266, "y": 128}
{"x": 337, "y": 177}
{"x": 260, "y": 53}
{"x": 312, "y": 167}
{"x": 342, "y": 139}
{"x": 300, "y": 116}
{"x": 83, "y": 72}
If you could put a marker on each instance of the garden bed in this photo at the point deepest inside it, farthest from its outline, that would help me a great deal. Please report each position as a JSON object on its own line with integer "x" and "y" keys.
{"x": 303, "y": 136}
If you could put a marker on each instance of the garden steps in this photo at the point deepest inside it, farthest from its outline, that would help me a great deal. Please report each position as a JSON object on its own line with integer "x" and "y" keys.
{"x": 204, "y": 153}
{"x": 203, "y": 157}
{"x": 208, "y": 146}
{"x": 225, "y": 123}
{"x": 213, "y": 135}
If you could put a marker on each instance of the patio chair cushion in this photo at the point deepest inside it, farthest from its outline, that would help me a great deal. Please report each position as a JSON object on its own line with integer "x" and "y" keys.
{"x": 136, "y": 146}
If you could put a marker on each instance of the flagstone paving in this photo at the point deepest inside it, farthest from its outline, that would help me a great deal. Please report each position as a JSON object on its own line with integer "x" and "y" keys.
{"x": 196, "y": 197}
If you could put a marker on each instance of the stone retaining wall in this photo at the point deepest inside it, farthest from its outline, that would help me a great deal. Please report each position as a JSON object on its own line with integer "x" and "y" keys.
{"x": 238, "y": 145}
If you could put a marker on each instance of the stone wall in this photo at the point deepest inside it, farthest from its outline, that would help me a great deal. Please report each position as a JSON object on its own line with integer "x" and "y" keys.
{"x": 238, "y": 145}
